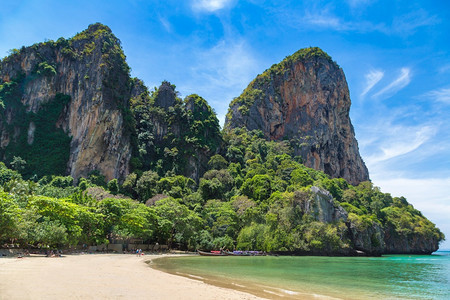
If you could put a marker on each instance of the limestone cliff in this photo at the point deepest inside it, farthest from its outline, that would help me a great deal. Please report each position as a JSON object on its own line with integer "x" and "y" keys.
{"x": 368, "y": 235}
{"x": 90, "y": 71}
{"x": 304, "y": 99}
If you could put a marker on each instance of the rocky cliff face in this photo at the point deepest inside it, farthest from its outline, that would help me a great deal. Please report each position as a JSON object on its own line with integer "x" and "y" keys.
{"x": 89, "y": 69}
{"x": 408, "y": 244}
{"x": 322, "y": 206}
{"x": 364, "y": 234}
{"x": 304, "y": 99}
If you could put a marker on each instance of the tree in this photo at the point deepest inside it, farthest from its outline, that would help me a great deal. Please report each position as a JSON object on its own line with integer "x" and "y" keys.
{"x": 217, "y": 162}
{"x": 146, "y": 185}
{"x": 299, "y": 178}
{"x": 251, "y": 237}
{"x": 113, "y": 186}
{"x": 97, "y": 178}
{"x": 176, "y": 223}
{"x": 129, "y": 184}
{"x": 10, "y": 216}
{"x": 62, "y": 182}
{"x": 7, "y": 174}
{"x": 18, "y": 163}
{"x": 258, "y": 187}
{"x": 215, "y": 184}
{"x": 57, "y": 213}
{"x": 221, "y": 218}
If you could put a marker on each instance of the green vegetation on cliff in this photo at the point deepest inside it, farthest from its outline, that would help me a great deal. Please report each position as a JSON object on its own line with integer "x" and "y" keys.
{"x": 171, "y": 135}
{"x": 254, "y": 196}
{"x": 43, "y": 146}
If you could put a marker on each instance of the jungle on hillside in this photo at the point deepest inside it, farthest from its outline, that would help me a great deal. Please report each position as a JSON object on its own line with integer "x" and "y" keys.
{"x": 255, "y": 196}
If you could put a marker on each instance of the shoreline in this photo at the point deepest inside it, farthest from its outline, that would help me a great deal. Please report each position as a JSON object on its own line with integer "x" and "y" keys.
{"x": 102, "y": 276}
{"x": 258, "y": 290}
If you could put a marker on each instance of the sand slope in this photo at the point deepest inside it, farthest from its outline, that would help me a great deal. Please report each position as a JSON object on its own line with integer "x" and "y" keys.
{"x": 100, "y": 276}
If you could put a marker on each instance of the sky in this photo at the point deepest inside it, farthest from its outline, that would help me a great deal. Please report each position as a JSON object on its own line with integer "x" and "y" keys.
{"x": 395, "y": 55}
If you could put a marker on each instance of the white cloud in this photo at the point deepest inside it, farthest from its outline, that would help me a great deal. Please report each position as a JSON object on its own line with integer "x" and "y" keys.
{"x": 166, "y": 24}
{"x": 397, "y": 141}
{"x": 372, "y": 78}
{"x": 407, "y": 24}
{"x": 404, "y": 25}
{"x": 325, "y": 19}
{"x": 444, "y": 68}
{"x": 211, "y": 5}
{"x": 399, "y": 83}
{"x": 358, "y": 3}
{"x": 440, "y": 95}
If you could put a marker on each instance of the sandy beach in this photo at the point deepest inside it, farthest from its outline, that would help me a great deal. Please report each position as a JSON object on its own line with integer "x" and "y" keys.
{"x": 100, "y": 276}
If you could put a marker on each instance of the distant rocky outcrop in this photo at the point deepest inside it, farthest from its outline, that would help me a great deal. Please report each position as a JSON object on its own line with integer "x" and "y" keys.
{"x": 368, "y": 237}
{"x": 304, "y": 99}
{"x": 87, "y": 78}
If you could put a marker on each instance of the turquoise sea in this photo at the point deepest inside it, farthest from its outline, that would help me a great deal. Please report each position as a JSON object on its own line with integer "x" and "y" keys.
{"x": 304, "y": 277}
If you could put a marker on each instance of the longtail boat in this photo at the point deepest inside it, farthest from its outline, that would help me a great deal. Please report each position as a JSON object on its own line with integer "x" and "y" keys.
{"x": 245, "y": 253}
{"x": 212, "y": 253}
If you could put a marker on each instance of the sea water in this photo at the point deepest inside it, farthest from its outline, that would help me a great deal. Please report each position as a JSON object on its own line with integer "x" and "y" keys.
{"x": 303, "y": 277}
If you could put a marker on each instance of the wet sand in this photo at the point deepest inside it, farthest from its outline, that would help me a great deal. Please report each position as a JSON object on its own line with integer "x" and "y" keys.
{"x": 100, "y": 276}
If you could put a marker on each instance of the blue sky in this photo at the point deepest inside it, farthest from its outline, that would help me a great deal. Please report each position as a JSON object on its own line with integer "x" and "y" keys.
{"x": 395, "y": 54}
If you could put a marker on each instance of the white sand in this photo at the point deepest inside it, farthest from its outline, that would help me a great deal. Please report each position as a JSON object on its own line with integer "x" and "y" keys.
{"x": 100, "y": 276}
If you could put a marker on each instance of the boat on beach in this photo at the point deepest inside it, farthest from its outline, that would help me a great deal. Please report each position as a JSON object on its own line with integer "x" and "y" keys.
{"x": 212, "y": 253}
{"x": 232, "y": 253}
{"x": 246, "y": 253}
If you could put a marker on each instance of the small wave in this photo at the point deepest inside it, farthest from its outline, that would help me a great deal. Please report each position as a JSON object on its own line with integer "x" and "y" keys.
{"x": 239, "y": 285}
{"x": 289, "y": 292}
{"x": 324, "y": 297}
{"x": 273, "y": 293}
{"x": 196, "y": 277}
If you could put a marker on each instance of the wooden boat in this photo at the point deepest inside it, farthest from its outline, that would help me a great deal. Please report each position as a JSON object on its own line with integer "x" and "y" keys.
{"x": 237, "y": 253}
{"x": 245, "y": 253}
{"x": 212, "y": 253}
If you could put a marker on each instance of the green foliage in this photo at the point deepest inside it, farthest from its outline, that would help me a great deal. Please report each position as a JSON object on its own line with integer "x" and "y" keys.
{"x": 146, "y": 185}
{"x": 57, "y": 187}
{"x": 97, "y": 178}
{"x": 62, "y": 182}
{"x": 407, "y": 221}
{"x": 221, "y": 218}
{"x": 176, "y": 186}
{"x": 10, "y": 217}
{"x": 217, "y": 162}
{"x": 7, "y": 174}
{"x": 45, "y": 69}
{"x": 252, "y": 237}
{"x": 258, "y": 187}
{"x": 247, "y": 98}
{"x": 191, "y": 131}
{"x": 18, "y": 163}
{"x": 177, "y": 223}
{"x": 113, "y": 186}
{"x": 129, "y": 184}
{"x": 127, "y": 218}
{"x": 215, "y": 184}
